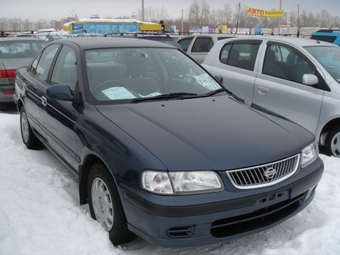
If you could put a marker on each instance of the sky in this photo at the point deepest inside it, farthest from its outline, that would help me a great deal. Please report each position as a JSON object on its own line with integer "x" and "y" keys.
{"x": 40, "y": 212}
{"x": 56, "y": 10}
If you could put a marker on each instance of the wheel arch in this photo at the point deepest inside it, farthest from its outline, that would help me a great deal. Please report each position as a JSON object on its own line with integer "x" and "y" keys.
{"x": 84, "y": 170}
{"x": 19, "y": 104}
{"x": 331, "y": 124}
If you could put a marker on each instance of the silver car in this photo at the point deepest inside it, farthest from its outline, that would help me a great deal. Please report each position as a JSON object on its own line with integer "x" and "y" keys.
{"x": 294, "y": 77}
{"x": 15, "y": 52}
{"x": 198, "y": 46}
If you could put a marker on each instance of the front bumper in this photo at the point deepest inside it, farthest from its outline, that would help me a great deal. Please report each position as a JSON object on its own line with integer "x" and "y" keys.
{"x": 201, "y": 224}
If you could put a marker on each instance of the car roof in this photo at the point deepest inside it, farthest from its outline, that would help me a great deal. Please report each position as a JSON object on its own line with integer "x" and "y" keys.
{"x": 327, "y": 31}
{"x": 209, "y": 35}
{"x": 301, "y": 42}
{"x": 149, "y": 36}
{"x": 110, "y": 42}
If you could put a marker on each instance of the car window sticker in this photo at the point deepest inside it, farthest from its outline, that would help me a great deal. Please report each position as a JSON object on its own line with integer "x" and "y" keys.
{"x": 206, "y": 81}
{"x": 118, "y": 93}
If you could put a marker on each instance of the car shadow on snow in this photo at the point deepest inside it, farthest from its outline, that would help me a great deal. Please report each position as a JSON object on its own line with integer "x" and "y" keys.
{"x": 8, "y": 108}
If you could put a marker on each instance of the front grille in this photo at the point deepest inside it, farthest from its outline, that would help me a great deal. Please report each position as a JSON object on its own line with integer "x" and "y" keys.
{"x": 264, "y": 175}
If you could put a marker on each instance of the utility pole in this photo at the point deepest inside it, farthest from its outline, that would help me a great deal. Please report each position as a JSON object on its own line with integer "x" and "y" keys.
{"x": 142, "y": 10}
{"x": 298, "y": 21}
{"x": 238, "y": 17}
{"x": 182, "y": 23}
{"x": 279, "y": 25}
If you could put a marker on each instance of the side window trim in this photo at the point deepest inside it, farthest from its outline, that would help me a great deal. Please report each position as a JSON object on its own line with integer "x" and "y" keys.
{"x": 65, "y": 68}
{"x": 44, "y": 65}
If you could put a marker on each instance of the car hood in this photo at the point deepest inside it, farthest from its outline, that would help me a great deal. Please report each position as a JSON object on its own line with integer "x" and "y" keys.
{"x": 216, "y": 133}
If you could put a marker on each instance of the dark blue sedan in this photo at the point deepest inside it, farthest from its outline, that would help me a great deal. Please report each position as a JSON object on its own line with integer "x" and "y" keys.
{"x": 161, "y": 149}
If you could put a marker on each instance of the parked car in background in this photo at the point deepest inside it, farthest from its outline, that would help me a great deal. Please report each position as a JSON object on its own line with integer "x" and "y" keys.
{"x": 160, "y": 148}
{"x": 164, "y": 38}
{"x": 51, "y": 36}
{"x": 20, "y": 35}
{"x": 89, "y": 35}
{"x": 297, "y": 78}
{"x": 327, "y": 35}
{"x": 198, "y": 46}
{"x": 15, "y": 52}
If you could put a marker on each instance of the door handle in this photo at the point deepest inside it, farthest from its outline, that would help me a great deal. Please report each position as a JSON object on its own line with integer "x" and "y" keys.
{"x": 44, "y": 101}
{"x": 262, "y": 90}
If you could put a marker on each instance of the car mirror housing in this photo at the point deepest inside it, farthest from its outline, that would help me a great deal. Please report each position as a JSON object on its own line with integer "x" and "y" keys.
{"x": 219, "y": 79}
{"x": 310, "y": 79}
{"x": 60, "y": 92}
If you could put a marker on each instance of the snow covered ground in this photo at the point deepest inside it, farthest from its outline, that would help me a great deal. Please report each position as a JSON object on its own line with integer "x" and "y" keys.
{"x": 40, "y": 213}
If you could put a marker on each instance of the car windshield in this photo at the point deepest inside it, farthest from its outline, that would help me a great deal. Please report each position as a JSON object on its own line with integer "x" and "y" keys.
{"x": 329, "y": 58}
{"x": 142, "y": 74}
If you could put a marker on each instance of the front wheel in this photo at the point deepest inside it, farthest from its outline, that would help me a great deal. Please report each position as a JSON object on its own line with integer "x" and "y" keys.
{"x": 27, "y": 135}
{"x": 106, "y": 206}
{"x": 332, "y": 145}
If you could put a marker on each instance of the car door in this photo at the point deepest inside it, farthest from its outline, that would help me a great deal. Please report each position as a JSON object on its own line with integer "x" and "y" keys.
{"x": 235, "y": 62}
{"x": 34, "y": 84}
{"x": 279, "y": 86}
{"x": 58, "y": 118}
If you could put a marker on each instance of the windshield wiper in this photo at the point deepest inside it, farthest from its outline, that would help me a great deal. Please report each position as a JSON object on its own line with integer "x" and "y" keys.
{"x": 168, "y": 96}
{"x": 213, "y": 92}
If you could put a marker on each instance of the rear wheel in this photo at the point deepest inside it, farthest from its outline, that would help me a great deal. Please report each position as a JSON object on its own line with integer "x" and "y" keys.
{"x": 332, "y": 145}
{"x": 106, "y": 206}
{"x": 27, "y": 135}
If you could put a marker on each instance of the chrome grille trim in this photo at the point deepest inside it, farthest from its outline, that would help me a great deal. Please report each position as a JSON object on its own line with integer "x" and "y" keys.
{"x": 264, "y": 175}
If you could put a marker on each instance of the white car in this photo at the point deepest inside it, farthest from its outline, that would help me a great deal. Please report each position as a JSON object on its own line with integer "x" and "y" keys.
{"x": 294, "y": 77}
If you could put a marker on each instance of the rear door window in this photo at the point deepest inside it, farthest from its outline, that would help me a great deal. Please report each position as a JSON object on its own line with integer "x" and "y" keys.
{"x": 202, "y": 44}
{"x": 242, "y": 55}
{"x": 185, "y": 43}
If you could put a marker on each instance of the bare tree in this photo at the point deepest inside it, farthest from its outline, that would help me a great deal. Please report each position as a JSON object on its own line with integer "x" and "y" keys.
{"x": 307, "y": 19}
{"x": 221, "y": 16}
{"x": 205, "y": 13}
{"x": 194, "y": 13}
{"x": 199, "y": 13}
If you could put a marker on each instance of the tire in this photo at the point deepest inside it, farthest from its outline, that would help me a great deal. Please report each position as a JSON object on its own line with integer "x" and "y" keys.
{"x": 27, "y": 135}
{"x": 332, "y": 145}
{"x": 105, "y": 205}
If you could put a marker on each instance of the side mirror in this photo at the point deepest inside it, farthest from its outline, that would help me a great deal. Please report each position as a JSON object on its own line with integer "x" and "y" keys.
{"x": 219, "y": 79}
{"x": 310, "y": 79}
{"x": 60, "y": 92}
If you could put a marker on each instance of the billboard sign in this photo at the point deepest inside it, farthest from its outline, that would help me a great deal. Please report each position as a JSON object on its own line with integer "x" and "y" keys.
{"x": 265, "y": 13}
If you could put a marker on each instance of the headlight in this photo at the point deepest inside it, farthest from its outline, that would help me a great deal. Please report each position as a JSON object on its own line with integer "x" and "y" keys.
{"x": 181, "y": 182}
{"x": 309, "y": 154}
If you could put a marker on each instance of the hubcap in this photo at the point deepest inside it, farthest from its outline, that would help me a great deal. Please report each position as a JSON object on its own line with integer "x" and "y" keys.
{"x": 102, "y": 203}
{"x": 24, "y": 126}
{"x": 335, "y": 145}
